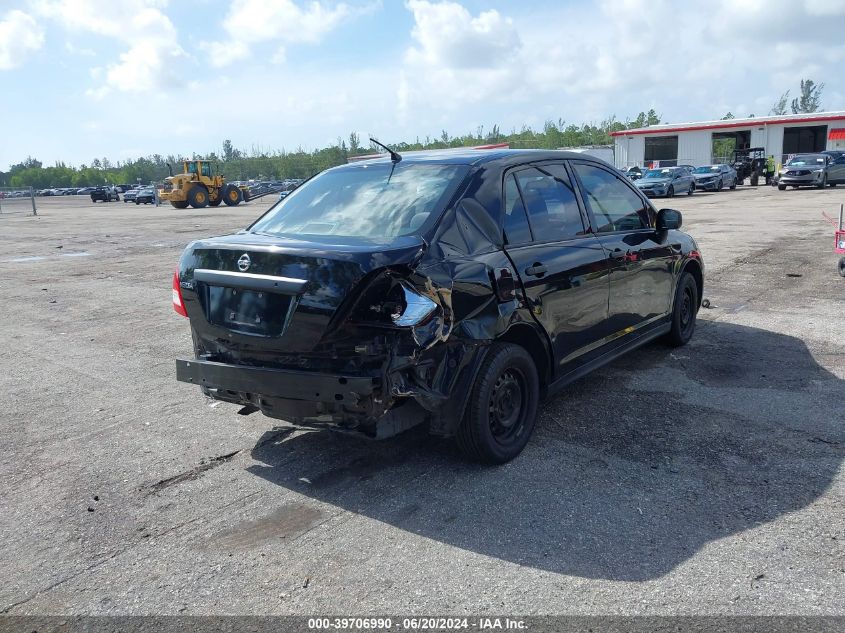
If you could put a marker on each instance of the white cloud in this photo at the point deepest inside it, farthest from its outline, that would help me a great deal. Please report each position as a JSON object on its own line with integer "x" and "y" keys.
{"x": 584, "y": 61}
{"x": 449, "y": 36}
{"x": 250, "y": 22}
{"x": 153, "y": 56}
{"x": 20, "y": 35}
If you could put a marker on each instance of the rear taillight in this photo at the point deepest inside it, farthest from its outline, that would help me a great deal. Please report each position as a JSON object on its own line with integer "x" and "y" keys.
{"x": 178, "y": 304}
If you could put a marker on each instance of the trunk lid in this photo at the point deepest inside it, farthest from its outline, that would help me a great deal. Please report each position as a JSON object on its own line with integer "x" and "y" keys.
{"x": 249, "y": 296}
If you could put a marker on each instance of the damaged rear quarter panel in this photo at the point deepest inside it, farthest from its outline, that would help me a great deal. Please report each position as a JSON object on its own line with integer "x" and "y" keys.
{"x": 457, "y": 273}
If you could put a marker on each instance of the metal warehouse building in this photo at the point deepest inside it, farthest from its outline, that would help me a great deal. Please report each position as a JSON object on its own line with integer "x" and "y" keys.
{"x": 698, "y": 143}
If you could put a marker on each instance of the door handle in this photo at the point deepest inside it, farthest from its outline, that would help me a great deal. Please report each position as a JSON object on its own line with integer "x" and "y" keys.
{"x": 536, "y": 270}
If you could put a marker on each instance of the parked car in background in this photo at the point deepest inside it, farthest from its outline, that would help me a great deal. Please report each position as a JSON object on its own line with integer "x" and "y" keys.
{"x": 714, "y": 177}
{"x": 145, "y": 195}
{"x": 812, "y": 170}
{"x": 666, "y": 182}
{"x": 129, "y": 196}
{"x": 633, "y": 173}
{"x": 451, "y": 288}
{"x": 105, "y": 194}
{"x": 85, "y": 191}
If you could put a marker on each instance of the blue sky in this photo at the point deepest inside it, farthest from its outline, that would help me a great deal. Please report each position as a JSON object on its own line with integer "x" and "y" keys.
{"x": 123, "y": 78}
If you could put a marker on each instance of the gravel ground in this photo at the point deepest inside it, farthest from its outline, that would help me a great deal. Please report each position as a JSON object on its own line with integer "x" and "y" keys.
{"x": 700, "y": 480}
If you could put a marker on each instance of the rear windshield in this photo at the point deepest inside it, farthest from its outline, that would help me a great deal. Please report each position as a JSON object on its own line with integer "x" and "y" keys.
{"x": 366, "y": 200}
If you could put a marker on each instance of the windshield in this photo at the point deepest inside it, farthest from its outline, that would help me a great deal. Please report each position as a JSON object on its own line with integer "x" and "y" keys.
{"x": 658, "y": 173}
{"x": 365, "y": 200}
{"x": 813, "y": 159}
{"x": 708, "y": 169}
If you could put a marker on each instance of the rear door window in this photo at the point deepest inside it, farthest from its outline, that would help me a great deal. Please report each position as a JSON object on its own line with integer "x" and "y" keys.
{"x": 516, "y": 226}
{"x": 615, "y": 206}
{"x": 550, "y": 202}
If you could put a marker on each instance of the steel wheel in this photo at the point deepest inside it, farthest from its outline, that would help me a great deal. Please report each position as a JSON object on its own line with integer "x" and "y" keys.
{"x": 507, "y": 413}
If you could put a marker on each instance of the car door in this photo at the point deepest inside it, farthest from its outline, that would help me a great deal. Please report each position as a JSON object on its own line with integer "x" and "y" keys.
{"x": 561, "y": 265}
{"x": 641, "y": 259}
{"x": 836, "y": 170}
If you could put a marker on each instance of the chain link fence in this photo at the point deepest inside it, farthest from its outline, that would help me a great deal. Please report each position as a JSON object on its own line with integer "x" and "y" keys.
{"x": 19, "y": 201}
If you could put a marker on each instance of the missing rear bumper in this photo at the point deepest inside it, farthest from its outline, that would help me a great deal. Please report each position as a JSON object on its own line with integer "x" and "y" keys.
{"x": 276, "y": 383}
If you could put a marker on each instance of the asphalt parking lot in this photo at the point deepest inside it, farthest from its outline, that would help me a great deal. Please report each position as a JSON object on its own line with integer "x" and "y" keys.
{"x": 700, "y": 480}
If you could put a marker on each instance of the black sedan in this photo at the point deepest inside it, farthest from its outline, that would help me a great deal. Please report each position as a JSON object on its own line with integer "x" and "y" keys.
{"x": 455, "y": 289}
{"x": 146, "y": 196}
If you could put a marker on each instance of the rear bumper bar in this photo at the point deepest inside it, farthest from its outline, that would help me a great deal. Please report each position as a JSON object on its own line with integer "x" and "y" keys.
{"x": 275, "y": 383}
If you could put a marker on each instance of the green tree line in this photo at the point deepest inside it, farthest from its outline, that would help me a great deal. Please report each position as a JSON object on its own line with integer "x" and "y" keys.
{"x": 237, "y": 164}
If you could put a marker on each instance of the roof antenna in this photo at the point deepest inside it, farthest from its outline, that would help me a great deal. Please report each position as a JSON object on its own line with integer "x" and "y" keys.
{"x": 394, "y": 156}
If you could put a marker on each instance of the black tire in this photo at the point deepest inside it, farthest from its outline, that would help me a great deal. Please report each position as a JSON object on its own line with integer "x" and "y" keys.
{"x": 231, "y": 195}
{"x": 733, "y": 186}
{"x": 216, "y": 202}
{"x": 691, "y": 189}
{"x": 781, "y": 187}
{"x": 670, "y": 192}
{"x": 823, "y": 183}
{"x": 137, "y": 201}
{"x": 719, "y": 185}
{"x": 502, "y": 407}
{"x": 755, "y": 179}
{"x": 684, "y": 312}
{"x": 833, "y": 184}
{"x": 198, "y": 197}
{"x": 842, "y": 267}
{"x": 179, "y": 204}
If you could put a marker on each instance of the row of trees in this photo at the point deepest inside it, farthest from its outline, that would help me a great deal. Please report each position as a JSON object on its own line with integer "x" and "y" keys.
{"x": 260, "y": 163}
{"x": 238, "y": 164}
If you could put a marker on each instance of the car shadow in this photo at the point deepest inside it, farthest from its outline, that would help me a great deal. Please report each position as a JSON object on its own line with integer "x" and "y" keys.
{"x": 630, "y": 472}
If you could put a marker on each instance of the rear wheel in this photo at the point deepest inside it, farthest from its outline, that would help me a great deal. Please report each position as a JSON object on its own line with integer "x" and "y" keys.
{"x": 231, "y": 195}
{"x": 179, "y": 204}
{"x": 502, "y": 407}
{"x": 198, "y": 197}
{"x": 842, "y": 267}
{"x": 684, "y": 312}
{"x": 781, "y": 187}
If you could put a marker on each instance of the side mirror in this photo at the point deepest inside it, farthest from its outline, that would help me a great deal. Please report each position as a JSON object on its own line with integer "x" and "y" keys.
{"x": 668, "y": 219}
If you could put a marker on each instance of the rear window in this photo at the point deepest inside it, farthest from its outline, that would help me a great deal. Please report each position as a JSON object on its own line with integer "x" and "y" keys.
{"x": 371, "y": 200}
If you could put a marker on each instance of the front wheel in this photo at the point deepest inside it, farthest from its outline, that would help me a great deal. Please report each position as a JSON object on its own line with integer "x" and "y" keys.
{"x": 670, "y": 192}
{"x": 781, "y": 187}
{"x": 842, "y": 267}
{"x": 198, "y": 197}
{"x": 823, "y": 183}
{"x": 502, "y": 406}
{"x": 733, "y": 184}
{"x": 684, "y": 312}
{"x": 691, "y": 190}
{"x": 719, "y": 186}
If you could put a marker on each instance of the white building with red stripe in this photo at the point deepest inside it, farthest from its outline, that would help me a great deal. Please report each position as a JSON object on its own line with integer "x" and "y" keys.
{"x": 696, "y": 143}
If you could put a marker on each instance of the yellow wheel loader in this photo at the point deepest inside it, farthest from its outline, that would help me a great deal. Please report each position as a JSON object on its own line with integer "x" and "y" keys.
{"x": 197, "y": 187}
